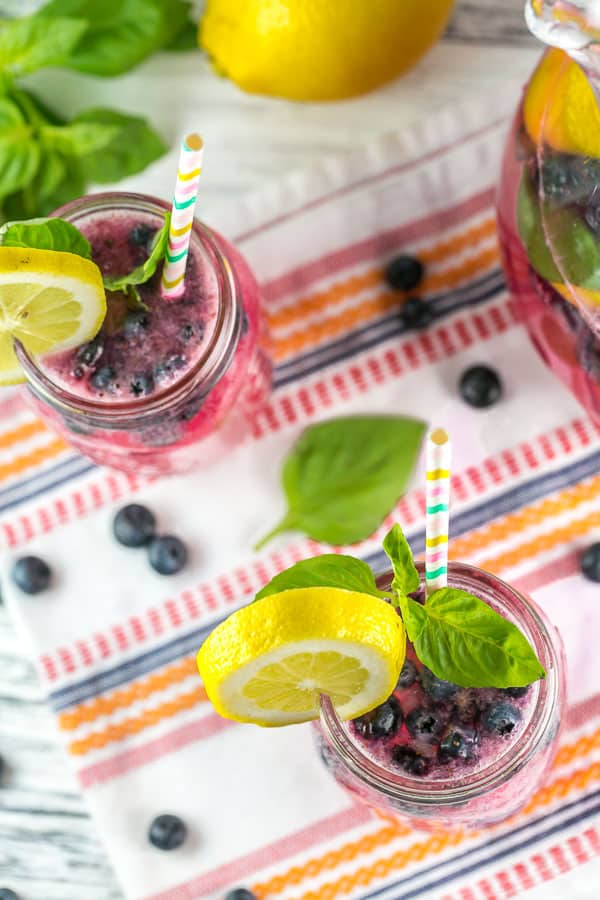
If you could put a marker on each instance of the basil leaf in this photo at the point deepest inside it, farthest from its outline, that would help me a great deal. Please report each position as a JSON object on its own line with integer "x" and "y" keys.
{"x": 27, "y": 44}
{"x": 146, "y": 270}
{"x": 343, "y": 476}
{"x": 78, "y": 138}
{"x": 328, "y": 570}
{"x": 35, "y": 110}
{"x": 46, "y": 234}
{"x": 573, "y": 243}
{"x": 19, "y": 151}
{"x": 120, "y": 33}
{"x": 406, "y": 578}
{"x": 132, "y": 146}
{"x": 463, "y": 640}
{"x": 185, "y": 39}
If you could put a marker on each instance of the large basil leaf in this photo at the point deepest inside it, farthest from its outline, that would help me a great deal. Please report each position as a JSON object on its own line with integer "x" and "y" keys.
{"x": 120, "y": 33}
{"x": 343, "y": 476}
{"x": 329, "y": 570}
{"x": 463, "y": 640}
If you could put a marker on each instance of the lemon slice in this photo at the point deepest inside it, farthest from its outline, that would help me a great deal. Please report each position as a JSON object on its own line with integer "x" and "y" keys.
{"x": 49, "y": 300}
{"x": 269, "y": 662}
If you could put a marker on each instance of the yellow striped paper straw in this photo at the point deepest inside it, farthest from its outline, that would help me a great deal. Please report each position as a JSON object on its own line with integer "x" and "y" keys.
{"x": 437, "y": 499}
{"x": 182, "y": 216}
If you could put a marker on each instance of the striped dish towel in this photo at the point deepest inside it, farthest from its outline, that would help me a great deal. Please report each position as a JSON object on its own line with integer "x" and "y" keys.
{"x": 115, "y": 643}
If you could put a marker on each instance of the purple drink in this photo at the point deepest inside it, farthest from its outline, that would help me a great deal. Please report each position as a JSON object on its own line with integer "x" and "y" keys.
{"x": 169, "y": 384}
{"x": 441, "y": 755}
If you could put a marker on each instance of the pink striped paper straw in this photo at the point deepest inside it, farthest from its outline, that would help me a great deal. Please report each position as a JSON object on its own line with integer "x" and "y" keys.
{"x": 437, "y": 499}
{"x": 182, "y": 216}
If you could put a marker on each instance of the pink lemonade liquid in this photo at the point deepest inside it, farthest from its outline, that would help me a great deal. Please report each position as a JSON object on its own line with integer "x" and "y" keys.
{"x": 166, "y": 384}
{"x": 556, "y": 326}
{"x": 441, "y": 755}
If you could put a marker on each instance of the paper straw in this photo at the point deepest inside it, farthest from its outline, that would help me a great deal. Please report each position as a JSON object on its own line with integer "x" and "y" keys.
{"x": 182, "y": 216}
{"x": 437, "y": 498}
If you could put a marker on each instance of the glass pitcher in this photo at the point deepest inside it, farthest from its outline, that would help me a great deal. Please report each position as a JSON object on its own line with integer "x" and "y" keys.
{"x": 549, "y": 197}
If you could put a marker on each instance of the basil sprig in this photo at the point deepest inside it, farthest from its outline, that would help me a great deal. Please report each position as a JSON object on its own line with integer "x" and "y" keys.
{"x": 454, "y": 633}
{"x": 46, "y": 159}
{"x": 62, "y": 236}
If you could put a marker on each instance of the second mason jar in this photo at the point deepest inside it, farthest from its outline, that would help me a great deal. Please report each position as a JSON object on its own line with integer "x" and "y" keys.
{"x": 166, "y": 385}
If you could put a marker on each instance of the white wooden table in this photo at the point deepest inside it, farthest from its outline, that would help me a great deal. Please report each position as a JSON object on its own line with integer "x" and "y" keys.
{"x": 48, "y": 847}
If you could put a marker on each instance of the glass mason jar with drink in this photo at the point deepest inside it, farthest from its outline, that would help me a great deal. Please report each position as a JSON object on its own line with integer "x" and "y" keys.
{"x": 436, "y": 691}
{"x": 549, "y": 198}
{"x": 179, "y": 365}
{"x": 443, "y": 755}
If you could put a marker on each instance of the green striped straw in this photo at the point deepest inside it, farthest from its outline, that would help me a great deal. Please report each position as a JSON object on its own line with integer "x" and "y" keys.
{"x": 437, "y": 498}
{"x": 182, "y": 216}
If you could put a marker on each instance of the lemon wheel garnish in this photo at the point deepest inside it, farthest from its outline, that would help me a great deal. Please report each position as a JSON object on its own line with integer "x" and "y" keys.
{"x": 269, "y": 662}
{"x": 49, "y": 301}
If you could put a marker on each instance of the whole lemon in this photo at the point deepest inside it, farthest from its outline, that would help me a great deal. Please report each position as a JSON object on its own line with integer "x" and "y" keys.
{"x": 318, "y": 49}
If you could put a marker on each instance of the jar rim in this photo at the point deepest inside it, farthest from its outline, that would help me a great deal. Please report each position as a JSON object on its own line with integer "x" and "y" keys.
{"x": 400, "y": 788}
{"x": 209, "y": 366}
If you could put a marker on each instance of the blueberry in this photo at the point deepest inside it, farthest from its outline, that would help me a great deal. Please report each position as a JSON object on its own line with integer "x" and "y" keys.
{"x": 404, "y": 273}
{"x": 167, "y": 832}
{"x": 78, "y": 372}
{"x": 516, "y": 692}
{"x": 590, "y": 563}
{"x": 240, "y": 894}
{"x": 31, "y": 574}
{"x": 466, "y": 707}
{"x": 458, "y": 742}
{"x": 416, "y": 314}
{"x": 438, "y": 689}
{"x": 141, "y": 385}
{"x": 104, "y": 379}
{"x": 7, "y": 894}
{"x": 187, "y": 333}
{"x": 136, "y": 322}
{"x": 501, "y": 718}
{"x": 166, "y": 368}
{"x": 141, "y": 235}
{"x": 424, "y": 724}
{"x": 381, "y": 722}
{"x": 480, "y": 386}
{"x": 410, "y": 760}
{"x": 134, "y": 525}
{"x": 89, "y": 354}
{"x": 408, "y": 675}
{"x": 245, "y": 324}
{"x": 569, "y": 179}
{"x": 167, "y": 554}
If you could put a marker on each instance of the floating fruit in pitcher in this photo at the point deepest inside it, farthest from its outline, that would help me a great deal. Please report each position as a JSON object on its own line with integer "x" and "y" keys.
{"x": 560, "y": 109}
{"x": 314, "y": 50}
